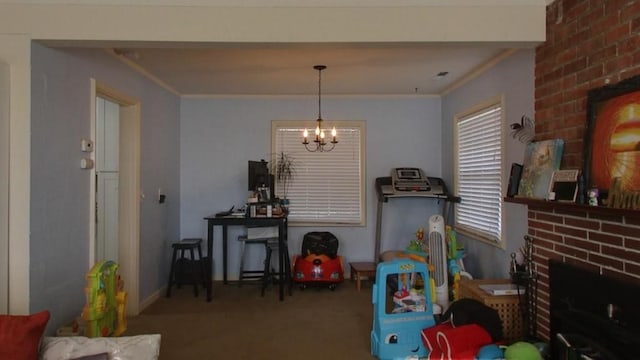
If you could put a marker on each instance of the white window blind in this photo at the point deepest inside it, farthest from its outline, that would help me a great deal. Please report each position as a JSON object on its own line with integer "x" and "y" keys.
{"x": 327, "y": 187}
{"x": 479, "y": 146}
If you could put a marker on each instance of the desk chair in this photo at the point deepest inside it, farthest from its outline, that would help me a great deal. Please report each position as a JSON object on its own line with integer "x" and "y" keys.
{"x": 187, "y": 270}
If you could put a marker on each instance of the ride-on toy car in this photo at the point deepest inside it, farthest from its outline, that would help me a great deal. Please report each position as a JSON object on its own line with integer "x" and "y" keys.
{"x": 319, "y": 263}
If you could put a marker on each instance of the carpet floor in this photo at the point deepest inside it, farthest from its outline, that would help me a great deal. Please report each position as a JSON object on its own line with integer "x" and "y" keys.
{"x": 314, "y": 323}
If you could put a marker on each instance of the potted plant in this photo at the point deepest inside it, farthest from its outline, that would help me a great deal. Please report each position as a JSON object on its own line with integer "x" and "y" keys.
{"x": 284, "y": 171}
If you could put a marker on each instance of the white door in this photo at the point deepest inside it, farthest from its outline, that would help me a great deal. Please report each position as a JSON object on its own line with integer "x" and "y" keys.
{"x": 120, "y": 202}
{"x": 107, "y": 148}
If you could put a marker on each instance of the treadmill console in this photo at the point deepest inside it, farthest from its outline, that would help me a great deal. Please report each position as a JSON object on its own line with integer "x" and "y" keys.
{"x": 409, "y": 180}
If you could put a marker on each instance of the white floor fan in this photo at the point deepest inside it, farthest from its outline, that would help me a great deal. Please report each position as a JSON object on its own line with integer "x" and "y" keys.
{"x": 438, "y": 260}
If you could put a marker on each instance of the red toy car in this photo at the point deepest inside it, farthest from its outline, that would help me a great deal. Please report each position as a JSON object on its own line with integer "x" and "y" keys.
{"x": 319, "y": 263}
{"x": 318, "y": 269}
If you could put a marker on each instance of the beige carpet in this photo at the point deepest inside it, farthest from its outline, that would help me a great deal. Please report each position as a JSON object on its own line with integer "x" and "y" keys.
{"x": 239, "y": 324}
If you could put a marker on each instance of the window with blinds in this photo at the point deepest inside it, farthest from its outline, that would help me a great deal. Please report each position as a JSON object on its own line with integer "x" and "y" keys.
{"x": 479, "y": 146}
{"x": 327, "y": 187}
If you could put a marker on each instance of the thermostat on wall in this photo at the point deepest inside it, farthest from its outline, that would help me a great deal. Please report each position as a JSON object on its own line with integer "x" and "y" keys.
{"x": 86, "y": 145}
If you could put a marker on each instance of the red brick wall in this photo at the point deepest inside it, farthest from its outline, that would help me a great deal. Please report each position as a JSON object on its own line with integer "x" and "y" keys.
{"x": 606, "y": 242}
{"x": 589, "y": 43}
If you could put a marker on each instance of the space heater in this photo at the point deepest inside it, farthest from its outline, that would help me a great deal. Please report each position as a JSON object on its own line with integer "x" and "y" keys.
{"x": 438, "y": 260}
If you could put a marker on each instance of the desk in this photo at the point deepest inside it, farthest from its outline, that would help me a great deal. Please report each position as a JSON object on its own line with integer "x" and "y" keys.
{"x": 227, "y": 221}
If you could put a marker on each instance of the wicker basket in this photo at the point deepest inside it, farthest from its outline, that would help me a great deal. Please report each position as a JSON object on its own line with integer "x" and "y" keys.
{"x": 508, "y": 306}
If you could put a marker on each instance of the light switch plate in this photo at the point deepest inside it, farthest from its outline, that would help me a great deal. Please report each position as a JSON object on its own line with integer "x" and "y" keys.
{"x": 86, "y": 164}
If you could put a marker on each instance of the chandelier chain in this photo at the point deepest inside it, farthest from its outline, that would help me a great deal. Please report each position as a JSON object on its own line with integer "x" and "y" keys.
{"x": 319, "y": 139}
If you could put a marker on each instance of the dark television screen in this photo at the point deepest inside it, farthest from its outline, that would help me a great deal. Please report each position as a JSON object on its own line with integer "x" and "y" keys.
{"x": 258, "y": 174}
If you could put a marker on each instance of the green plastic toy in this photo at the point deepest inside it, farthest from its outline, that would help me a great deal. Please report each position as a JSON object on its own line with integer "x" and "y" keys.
{"x": 522, "y": 351}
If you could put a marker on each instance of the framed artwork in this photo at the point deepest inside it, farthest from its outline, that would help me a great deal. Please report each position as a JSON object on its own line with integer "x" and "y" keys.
{"x": 564, "y": 185}
{"x": 541, "y": 159}
{"x": 612, "y": 140}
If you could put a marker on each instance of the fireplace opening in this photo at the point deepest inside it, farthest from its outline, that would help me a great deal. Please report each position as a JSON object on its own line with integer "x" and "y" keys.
{"x": 592, "y": 316}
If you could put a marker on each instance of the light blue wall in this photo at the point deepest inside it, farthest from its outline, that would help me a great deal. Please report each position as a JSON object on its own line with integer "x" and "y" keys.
{"x": 197, "y": 151}
{"x": 219, "y": 136}
{"x": 59, "y": 226}
{"x": 513, "y": 78}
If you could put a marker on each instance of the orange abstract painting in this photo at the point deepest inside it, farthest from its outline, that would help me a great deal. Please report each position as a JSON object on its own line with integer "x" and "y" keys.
{"x": 615, "y": 142}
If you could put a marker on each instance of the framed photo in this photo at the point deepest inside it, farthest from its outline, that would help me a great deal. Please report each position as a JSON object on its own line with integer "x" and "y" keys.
{"x": 564, "y": 185}
{"x": 612, "y": 140}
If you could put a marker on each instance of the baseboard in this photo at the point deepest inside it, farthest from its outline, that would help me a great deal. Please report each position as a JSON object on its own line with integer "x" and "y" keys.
{"x": 152, "y": 298}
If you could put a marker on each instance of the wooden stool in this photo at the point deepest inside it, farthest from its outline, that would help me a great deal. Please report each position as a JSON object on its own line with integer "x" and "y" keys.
{"x": 245, "y": 273}
{"x": 272, "y": 275}
{"x": 187, "y": 270}
{"x": 362, "y": 269}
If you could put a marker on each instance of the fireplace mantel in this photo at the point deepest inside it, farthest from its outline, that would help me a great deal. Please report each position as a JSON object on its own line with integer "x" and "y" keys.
{"x": 573, "y": 207}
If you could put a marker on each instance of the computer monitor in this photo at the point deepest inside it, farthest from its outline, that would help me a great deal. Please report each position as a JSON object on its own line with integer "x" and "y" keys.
{"x": 258, "y": 175}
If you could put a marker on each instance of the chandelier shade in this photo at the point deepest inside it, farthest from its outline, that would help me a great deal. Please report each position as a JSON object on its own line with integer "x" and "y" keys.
{"x": 319, "y": 136}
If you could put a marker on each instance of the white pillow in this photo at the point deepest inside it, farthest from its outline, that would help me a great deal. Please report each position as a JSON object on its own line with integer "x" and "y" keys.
{"x": 139, "y": 347}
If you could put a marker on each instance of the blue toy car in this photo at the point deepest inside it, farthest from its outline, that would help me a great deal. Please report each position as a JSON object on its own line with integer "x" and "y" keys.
{"x": 401, "y": 310}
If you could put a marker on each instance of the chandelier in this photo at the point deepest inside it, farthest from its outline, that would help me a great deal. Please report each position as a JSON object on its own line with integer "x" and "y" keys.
{"x": 319, "y": 139}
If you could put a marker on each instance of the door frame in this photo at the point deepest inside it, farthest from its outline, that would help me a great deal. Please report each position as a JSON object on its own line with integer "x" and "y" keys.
{"x": 4, "y": 187}
{"x": 130, "y": 194}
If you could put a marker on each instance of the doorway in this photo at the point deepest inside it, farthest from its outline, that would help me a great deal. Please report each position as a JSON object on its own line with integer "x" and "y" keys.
{"x": 120, "y": 237}
{"x": 107, "y": 148}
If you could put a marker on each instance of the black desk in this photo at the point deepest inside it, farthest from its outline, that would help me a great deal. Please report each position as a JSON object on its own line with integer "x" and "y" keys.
{"x": 227, "y": 221}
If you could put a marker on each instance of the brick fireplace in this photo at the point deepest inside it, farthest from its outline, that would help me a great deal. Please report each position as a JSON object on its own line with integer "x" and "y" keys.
{"x": 590, "y": 43}
{"x": 606, "y": 241}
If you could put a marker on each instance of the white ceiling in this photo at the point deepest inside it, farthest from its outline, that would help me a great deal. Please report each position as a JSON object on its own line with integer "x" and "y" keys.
{"x": 287, "y": 69}
{"x": 287, "y": 3}
{"x": 222, "y": 69}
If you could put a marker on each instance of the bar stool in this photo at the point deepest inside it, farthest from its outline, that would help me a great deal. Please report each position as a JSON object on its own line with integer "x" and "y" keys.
{"x": 250, "y": 274}
{"x": 272, "y": 275}
{"x": 187, "y": 270}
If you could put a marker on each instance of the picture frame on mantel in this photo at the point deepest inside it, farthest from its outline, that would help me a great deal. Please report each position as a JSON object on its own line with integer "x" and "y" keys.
{"x": 541, "y": 159}
{"x": 612, "y": 139}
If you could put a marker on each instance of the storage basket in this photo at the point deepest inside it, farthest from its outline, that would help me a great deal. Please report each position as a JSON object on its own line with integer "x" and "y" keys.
{"x": 507, "y": 306}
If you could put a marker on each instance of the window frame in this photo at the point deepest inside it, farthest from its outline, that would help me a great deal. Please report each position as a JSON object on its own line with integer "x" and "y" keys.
{"x": 340, "y": 124}
{"x": 497, "y": 240}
